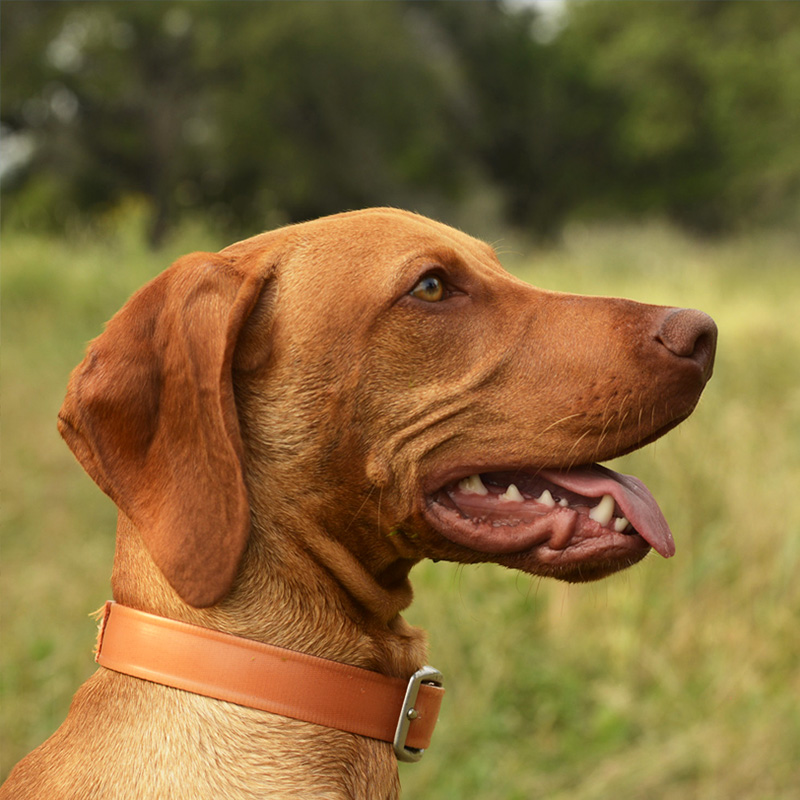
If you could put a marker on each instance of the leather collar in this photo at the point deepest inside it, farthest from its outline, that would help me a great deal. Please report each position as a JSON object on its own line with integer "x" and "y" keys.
{"x": 274, "y": 679}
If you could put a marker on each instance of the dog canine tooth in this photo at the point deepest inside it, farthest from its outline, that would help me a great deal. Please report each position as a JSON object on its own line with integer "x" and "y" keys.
{"x": 603, "y": 511}
{"x": 473, "y": 485}
{"x": 546, "y": 498}
{"x": 511, "y": 495}
{"x": 620, "y": 523}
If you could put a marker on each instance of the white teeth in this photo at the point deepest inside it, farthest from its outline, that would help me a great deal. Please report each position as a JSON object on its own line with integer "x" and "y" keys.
{"x": 511, "y": 495}
{"x": 546, "y": 498}
{"x": 473, "y": 485}
{"x": 603, "y": 511}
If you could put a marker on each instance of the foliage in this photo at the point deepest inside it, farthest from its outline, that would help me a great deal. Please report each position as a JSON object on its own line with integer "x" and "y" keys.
{"x": 675, "y": 679}
{"x": 705, "y": 99}
{"x": 258, "y": 113}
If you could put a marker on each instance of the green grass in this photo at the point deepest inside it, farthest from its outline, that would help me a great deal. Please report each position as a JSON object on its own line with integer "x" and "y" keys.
{"x": 677, "y": 679}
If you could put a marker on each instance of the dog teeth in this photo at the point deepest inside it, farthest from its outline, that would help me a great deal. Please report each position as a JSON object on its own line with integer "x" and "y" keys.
{"x": 545, "y": 498}
{"x": 511, "y": 495}
{"x": 473, "y": 485}
{"x": 603, "y": 511}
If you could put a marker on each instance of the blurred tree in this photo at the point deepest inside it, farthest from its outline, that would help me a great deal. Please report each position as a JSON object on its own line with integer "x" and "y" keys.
{"x": 259, "y": 111}
{"x": 107, "y": 91}
{"x": 343, "y": 108}
{"x": 263, "y": 113}
{"x": 703, "y": 107}
{"x": 539, "y": 126}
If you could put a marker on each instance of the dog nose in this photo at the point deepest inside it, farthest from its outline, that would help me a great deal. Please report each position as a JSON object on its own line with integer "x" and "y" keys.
{"x": 690, "y": 334}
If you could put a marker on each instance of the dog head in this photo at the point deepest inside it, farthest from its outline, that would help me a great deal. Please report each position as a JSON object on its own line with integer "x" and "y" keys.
{"x": 378, "y": 376}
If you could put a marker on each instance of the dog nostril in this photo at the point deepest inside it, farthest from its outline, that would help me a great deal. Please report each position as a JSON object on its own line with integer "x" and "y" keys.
{"x": 690, "y": 334}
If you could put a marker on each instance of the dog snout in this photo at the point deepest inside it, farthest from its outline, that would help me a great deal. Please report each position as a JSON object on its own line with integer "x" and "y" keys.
{"x": 692, "y": 335}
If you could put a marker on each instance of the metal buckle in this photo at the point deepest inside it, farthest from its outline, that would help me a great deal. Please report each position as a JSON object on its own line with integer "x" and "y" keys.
{"x": 408, "y": 713}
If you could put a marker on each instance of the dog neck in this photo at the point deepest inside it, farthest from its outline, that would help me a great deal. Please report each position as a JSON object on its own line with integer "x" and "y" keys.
{"x": 355, "y": 617}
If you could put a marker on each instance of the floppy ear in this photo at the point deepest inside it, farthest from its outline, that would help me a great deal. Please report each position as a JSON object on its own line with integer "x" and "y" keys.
{"x": 150, "y": 414}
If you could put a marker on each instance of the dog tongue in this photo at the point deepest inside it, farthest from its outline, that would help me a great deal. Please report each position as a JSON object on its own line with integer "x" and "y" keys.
{"x": 630, "y": 494}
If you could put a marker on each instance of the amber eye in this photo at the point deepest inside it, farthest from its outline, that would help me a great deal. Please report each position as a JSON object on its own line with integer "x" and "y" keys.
{"x": 430, "y": 289}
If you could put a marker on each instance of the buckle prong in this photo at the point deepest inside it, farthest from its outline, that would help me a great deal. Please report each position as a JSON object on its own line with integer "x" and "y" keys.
{"x": 408, "y": 713}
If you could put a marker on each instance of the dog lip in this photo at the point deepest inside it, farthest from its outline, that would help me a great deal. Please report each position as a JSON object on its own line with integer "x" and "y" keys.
{"x": 438, "y": 481}
{"x": 560, "y": 537}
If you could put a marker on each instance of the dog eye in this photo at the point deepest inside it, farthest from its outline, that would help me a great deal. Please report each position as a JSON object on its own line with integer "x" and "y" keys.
{"x": 430, "y": 289}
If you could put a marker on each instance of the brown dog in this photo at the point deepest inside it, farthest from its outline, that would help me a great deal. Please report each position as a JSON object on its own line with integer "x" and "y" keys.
{"x": 289, "y": 425}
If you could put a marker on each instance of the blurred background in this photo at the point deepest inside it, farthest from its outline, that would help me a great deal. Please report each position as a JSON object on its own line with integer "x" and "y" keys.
{"x": 646, "y": 149}
{"x": 255, "y": 114}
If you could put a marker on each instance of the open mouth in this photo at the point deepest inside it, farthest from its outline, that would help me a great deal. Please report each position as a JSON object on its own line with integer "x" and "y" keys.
{"x": 590, "y": 512}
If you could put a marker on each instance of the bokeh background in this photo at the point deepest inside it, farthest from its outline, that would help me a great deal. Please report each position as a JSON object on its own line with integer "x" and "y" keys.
{"x": 646, "y": 149}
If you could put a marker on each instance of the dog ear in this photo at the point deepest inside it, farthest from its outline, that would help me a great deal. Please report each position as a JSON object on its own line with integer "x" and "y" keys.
{"x": 150, "y": 414}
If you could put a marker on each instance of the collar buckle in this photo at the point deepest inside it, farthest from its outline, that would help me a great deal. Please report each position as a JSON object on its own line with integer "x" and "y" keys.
{"x": 426, "y": 675}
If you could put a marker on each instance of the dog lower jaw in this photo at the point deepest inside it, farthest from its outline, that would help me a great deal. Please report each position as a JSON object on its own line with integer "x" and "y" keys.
{"x": 560, "y": 542}
{"x": 585, "y": 572}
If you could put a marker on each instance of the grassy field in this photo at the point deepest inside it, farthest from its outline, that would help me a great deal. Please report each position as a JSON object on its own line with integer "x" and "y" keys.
{"x": 677, "y": 679}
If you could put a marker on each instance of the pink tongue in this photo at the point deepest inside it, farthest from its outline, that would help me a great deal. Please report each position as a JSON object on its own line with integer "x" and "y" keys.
{"x": 630, "y": 494}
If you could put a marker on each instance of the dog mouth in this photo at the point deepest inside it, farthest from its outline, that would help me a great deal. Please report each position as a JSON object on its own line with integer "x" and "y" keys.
{"x": 582, "y": 515}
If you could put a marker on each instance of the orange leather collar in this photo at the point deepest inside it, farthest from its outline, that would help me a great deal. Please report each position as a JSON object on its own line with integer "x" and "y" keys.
{"x": 262, "y": 676}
